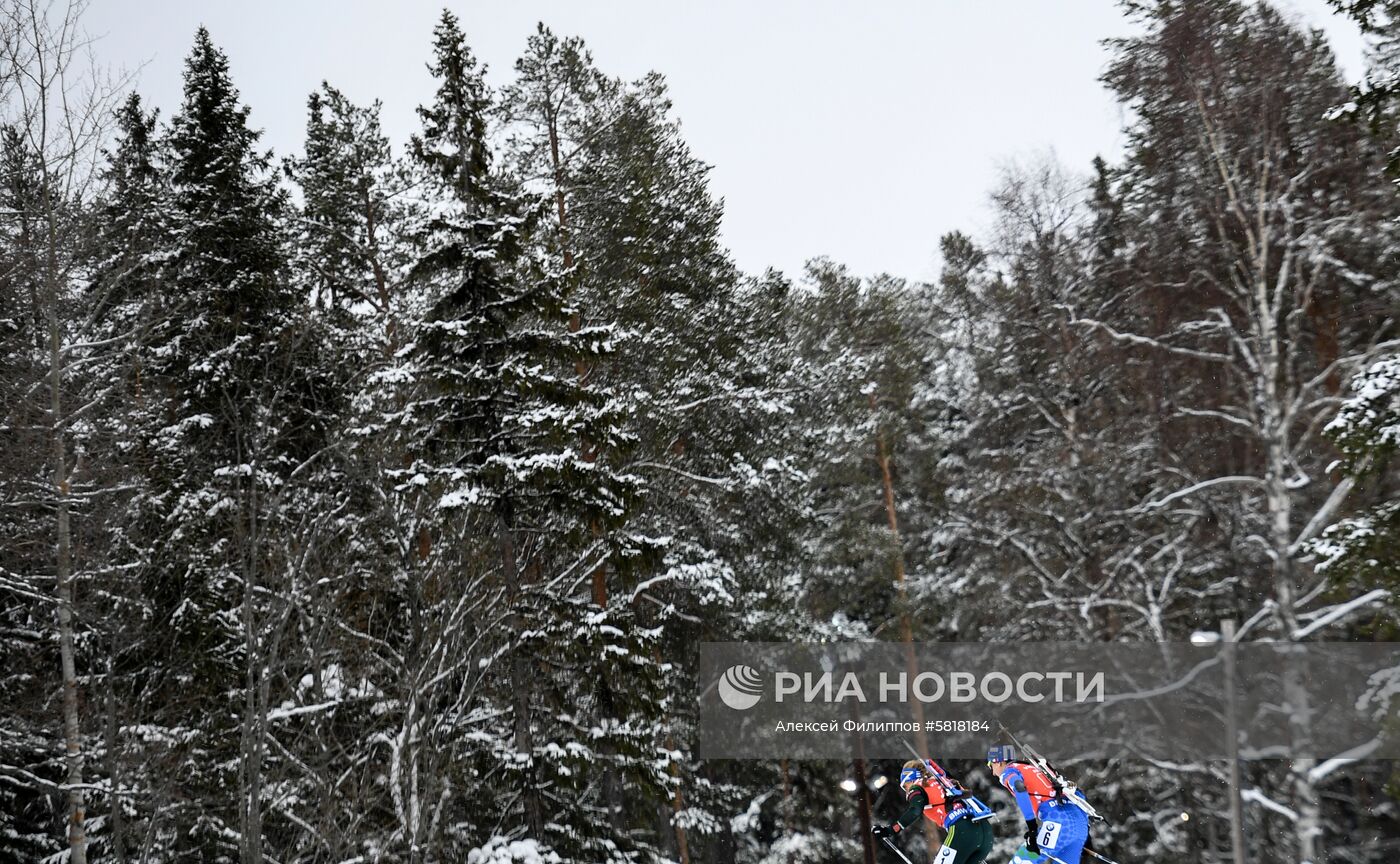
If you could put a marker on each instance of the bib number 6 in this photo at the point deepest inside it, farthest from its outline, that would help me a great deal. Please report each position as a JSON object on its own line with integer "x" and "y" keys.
{"x": 1049, "y": 835}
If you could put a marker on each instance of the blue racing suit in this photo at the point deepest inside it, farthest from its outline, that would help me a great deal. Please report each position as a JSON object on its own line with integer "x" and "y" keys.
{"x": 1062, "y": 828}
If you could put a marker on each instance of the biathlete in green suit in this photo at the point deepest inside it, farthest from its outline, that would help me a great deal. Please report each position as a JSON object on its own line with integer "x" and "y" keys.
{"x": 966, "y": 821}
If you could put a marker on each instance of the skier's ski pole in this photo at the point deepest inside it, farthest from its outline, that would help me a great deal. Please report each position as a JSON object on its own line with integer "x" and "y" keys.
{"x": 902, "y": 856}
{"x": 1042, "y": 853}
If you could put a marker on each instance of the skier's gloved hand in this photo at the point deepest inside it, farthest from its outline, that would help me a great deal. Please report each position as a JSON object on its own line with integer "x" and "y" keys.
{"x": 1031, "y": 846}
{"x": 881, "y": 830}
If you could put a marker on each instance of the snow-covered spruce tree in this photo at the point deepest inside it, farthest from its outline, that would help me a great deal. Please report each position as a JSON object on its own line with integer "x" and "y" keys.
{"x": 706, "y": 381}
{"x": 132, "y": 224}
{"x": 491, "y": 425}
{"x": 122, "y": 300}
{"x": 1360, "y": 552}
{"x": 229, "y": 427}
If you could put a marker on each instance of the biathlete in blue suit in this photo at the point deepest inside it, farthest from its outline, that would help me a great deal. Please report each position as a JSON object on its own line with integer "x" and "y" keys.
{"x": 1057, "y": 829}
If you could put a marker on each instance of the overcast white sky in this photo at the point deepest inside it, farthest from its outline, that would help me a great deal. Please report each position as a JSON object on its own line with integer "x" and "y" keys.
{"x": 860, "y": 131}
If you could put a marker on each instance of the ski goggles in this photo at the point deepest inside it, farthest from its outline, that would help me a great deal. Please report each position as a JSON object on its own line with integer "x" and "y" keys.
{"x": 909, "y": 775}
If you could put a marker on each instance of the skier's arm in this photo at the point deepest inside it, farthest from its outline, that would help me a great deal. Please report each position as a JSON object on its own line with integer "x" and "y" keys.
{"x": 1016, "y": 785}
{"x": 918, "y": 800}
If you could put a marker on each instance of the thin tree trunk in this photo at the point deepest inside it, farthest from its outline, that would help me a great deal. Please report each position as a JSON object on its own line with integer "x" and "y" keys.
{"x": 678, "y": 805}
{"x": 599, "y": 577}
{"x": 43, "y": 43}
{"x": 77, "y": 806}
{"x": 1308, "y": 826}
{"x": 251, "y": 757}
{"x": 381, "y": 278}
{"x": 906, "y": 629}
{"x": 520, "y": 678}
{"x": 787, "y": 794}
{"x": 114, "y": 770}
{"x": 862, "y": 789}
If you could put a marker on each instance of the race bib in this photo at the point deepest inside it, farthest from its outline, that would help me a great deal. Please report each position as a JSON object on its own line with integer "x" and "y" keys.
{"x": 945, "y": 855}
{"x": 1049, "y": 835}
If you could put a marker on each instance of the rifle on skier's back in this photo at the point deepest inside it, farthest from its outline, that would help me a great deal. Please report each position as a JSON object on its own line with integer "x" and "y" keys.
{"x": 1066, "y": 787}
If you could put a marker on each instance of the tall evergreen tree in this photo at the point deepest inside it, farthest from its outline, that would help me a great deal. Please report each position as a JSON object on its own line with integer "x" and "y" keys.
{"x": 229, "y": 419}
{"x": 492, "y": 416}
{"x": 707, "y": 383}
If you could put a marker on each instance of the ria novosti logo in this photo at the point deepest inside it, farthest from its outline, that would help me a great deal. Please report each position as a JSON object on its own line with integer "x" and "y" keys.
{"x": 741, "y": 687}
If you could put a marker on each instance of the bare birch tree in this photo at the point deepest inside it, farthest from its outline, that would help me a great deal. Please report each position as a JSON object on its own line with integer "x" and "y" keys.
{"x": 1268, "y": 207}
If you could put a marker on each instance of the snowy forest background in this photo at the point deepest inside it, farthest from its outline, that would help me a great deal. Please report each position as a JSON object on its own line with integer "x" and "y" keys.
{"x": 368, "y": 504}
